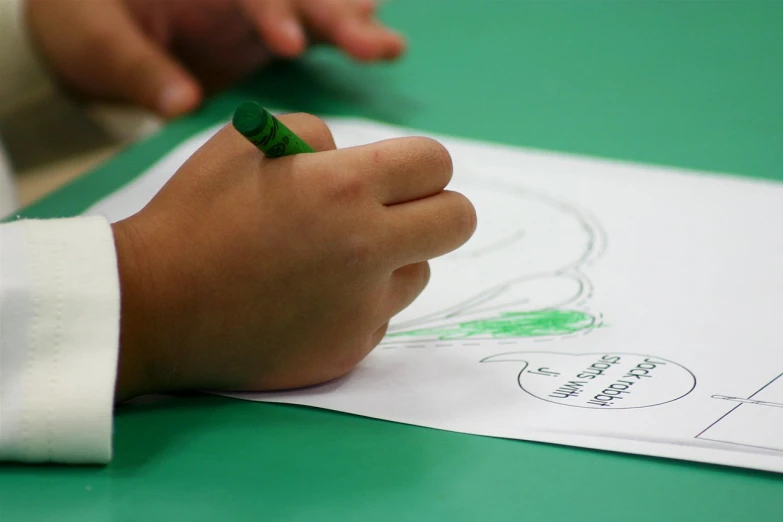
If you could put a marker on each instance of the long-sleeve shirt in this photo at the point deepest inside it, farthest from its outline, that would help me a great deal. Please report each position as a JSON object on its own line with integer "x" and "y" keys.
{"x": 59, "y": 306}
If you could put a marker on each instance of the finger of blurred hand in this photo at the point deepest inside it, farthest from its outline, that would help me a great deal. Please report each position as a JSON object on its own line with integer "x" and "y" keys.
{"x": 401, "y": 169}
{"x": 277, "y": 24}
{"x": 349, "y": 25}
{"x": 368, "y": 40}
{"x": 427, "y": 228}
{"x": 135, "y": 67}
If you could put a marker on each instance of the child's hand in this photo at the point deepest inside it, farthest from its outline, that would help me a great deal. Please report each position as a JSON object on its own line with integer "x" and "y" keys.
{"x": 163, "y": 54}
{"x": 246, "y": 273}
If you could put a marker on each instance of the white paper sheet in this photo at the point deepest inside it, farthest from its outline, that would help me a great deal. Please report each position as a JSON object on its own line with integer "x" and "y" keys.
{"x": 600, "y": 304}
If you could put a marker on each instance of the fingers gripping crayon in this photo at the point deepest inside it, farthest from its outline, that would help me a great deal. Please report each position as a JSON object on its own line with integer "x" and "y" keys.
{"x": 266, "y": 132}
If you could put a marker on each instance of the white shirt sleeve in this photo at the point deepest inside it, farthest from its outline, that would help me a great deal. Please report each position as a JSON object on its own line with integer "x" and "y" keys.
{"x": 21, "y": 75}
{"x": 59, "y": 339}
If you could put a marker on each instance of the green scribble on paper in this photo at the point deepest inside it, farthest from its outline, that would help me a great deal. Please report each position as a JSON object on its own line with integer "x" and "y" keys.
{"x": 538, "y": 323}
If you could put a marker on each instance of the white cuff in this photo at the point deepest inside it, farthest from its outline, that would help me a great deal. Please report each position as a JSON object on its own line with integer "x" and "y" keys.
{"x": 59, "y": 318}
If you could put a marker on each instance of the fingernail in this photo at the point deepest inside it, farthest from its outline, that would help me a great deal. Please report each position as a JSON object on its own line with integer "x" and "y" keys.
{"x": 174, "y": 99}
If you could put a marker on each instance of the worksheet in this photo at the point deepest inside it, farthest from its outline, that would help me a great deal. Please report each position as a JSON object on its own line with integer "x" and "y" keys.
{"x": 600, "y": 304}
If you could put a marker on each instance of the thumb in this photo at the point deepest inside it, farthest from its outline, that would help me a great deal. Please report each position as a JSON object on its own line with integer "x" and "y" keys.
{"x": 136, "y": 68}
{"x": 103, "y": 53}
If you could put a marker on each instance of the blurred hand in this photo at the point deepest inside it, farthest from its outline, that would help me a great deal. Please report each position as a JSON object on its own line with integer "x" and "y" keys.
{"x": 246, "y": 273}
{"x": 165, "y": 54}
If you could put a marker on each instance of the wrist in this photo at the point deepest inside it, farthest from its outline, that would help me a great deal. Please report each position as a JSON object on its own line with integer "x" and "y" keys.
{"x": 136, "y": 373}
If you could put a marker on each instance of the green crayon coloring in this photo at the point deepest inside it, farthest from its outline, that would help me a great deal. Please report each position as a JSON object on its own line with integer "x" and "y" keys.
{"x": 266, "y": 132}
{"x": 535, "y": 323}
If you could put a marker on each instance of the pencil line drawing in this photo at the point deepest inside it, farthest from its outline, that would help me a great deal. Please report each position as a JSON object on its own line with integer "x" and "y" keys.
{"x": 551, "y": 242}
{"x": 755, "y": 421}
{"x": 749, "y": 401}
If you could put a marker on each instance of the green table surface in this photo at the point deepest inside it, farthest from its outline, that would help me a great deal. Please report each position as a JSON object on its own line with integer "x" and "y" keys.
{"x": 693, "y": 84}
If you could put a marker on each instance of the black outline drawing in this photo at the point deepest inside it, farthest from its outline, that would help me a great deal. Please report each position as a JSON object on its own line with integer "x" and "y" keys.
{"x": 749, "y": 401}
{"x": 487, "y": 300}
{"x": 544, "y": 370}
{"x": 742, "y": 402}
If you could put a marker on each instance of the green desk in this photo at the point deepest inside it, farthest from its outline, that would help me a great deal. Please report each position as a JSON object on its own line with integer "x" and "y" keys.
{"x": 693, "y": 84}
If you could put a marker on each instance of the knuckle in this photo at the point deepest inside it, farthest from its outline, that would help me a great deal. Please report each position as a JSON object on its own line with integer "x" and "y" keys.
{"x": 378, "y": 336}
{"x": 348, "y": 188}
{"x": 353, "y": 353}
{"x": 315, "y": 123}
{"x": 423, "y": 272}
{"x": 341, "y": 365}
{"x": 359, "y": 251}
{"x": 316, "y": 130}
{"x": 303, "y": 117}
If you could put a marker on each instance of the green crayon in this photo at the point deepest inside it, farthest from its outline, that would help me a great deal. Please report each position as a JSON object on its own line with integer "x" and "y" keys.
{"x": 267, "y": 132}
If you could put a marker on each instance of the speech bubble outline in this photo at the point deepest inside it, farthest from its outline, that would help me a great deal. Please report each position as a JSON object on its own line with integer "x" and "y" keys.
{"x": 547, "y": 371}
